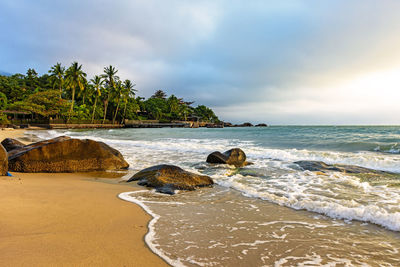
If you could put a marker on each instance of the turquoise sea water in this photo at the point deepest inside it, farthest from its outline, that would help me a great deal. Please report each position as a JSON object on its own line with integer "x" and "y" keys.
{"x": 309, "y": 208}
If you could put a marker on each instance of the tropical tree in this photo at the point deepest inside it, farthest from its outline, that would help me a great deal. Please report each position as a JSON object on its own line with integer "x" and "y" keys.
{"x": 185, "y": 109}
{"x": 46, "y": 96}
{"x": 156, "y": 107}
{"x": 75, "y": 77}
{"x": 57, "y": 73}
{"x": 173, "y": 104}
{"x": 31, "y": 80}
{"x": 206, "y": 114}
{"x": 46, "y": 104}
{"x": 159, "y": 94}
{"x": 127, "y": 92}
{"x": 3, "y": 101}
{"x": 84, "y": 92}
{"x": 110, "y": 76}
{"x": 118, "y": 91}
{"x": 97, "y": 83}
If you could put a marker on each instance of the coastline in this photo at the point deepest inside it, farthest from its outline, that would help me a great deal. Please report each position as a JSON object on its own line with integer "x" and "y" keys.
{"x": 250, "y": 230}
{"x": 69, "y": 219}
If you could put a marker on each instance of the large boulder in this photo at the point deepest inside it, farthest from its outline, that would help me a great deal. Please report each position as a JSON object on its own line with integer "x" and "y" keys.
{"x": 167, "y": 178}
{"x": 234, "y": 156}
{"x": 320, "y": 166}
{"x": 11, "y": 144}
{"x": 64, "y": 154}
{"x": 3, "y": 161}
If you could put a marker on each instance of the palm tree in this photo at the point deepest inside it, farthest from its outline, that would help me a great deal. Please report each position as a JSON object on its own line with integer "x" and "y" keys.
{"x": 32, "y": 80}
{"x": 83, "y": 92}
{"x": 119, "y": 90}
{"x": 57, "y": 72}
{"x": 75, "y": 77}
{"x": 159, "y": 94}
{"x": 127, "y": 92}
{"x": 173, "y": 103}
{"x": 110, "y": 77}
{"x": 97, "y": 82}
{"x": 184, "y": 110}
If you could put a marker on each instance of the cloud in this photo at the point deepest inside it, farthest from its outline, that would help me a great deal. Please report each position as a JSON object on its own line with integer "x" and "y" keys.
{"x": 272, "y": 61}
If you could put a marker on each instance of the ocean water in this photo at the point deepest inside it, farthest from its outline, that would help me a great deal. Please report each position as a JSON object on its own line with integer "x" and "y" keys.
{"x": 271, "y": 213}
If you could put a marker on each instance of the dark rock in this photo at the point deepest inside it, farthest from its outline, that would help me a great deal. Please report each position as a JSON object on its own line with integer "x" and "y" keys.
{"x": 261, "y": 125}
{"x": 63, "y": 154}
{"x": 320, "y": 166}
{"x": 214, "y": 125}
{"x": 246, "y": 124}
{"x": 228, "y": 124}
{"x": 235, "y": 157}
{"x": 167, "y": 189}
{"x": 11, "y": 144}
{"x": 167, "y": 178}
{"x": 3, "y": 161}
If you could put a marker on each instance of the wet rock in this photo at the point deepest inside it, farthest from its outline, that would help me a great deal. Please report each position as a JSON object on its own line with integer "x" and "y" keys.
{"x": 167, "y": 189}
{"x": 167, "y": 178}
{"x": 319, "y": 166}
{"x": 234, "y": 156}
{"x": 11, "y": 144}
{"x": 261, "y": 125}
{"x": 3, "y": 161}
{"x": 64, "y": 154}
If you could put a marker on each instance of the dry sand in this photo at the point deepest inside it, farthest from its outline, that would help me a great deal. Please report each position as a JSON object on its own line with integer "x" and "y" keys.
{"x": 11, "y": 133}
{"x": 69, "y": 220}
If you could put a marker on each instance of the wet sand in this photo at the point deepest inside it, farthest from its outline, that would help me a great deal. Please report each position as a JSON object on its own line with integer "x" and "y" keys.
{"x": 69, "y": 220}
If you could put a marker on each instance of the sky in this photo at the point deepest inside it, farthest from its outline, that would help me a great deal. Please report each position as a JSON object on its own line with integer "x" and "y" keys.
{"x": 277, "y": 62}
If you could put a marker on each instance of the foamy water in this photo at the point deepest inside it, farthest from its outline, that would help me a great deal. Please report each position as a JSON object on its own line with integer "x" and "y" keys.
{"x": 318, "y": 204}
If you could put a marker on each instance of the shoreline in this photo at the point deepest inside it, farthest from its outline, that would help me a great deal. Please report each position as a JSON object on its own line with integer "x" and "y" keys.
{"x": 69, "y": 219}
{"x": 149, "y": 237}
{"x": 250, "y": 229}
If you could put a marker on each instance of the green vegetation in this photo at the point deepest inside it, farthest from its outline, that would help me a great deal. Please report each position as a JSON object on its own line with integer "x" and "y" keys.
{"x": 67, "y": 95}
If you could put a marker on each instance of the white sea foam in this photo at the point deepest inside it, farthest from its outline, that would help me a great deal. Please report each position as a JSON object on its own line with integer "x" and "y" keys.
{"x": 337, "y": 196}
{"x": 385, "y": 162}
{"x": 280, "y": 181}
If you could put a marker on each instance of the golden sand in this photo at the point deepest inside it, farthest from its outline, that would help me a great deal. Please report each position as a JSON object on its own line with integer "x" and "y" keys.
{"x": 69, "y": 220}
{"x": 11, "y": 133}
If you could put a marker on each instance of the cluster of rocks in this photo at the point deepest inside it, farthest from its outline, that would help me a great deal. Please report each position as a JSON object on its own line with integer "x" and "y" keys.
{"x": 65, "y": 154}
{"x": 245, "y": 124}
{"x": 168, "y": 178}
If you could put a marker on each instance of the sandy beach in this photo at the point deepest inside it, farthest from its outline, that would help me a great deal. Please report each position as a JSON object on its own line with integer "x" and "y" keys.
{"x": 69, "y": 220}
{"x": 11, "y": 133}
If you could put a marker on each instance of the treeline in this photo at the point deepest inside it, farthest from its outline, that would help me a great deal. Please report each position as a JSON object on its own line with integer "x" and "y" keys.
{"x": 68, "y": 94}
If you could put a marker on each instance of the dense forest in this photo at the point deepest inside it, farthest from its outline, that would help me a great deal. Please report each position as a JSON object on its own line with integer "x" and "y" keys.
{"x": 68, "y": 95}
